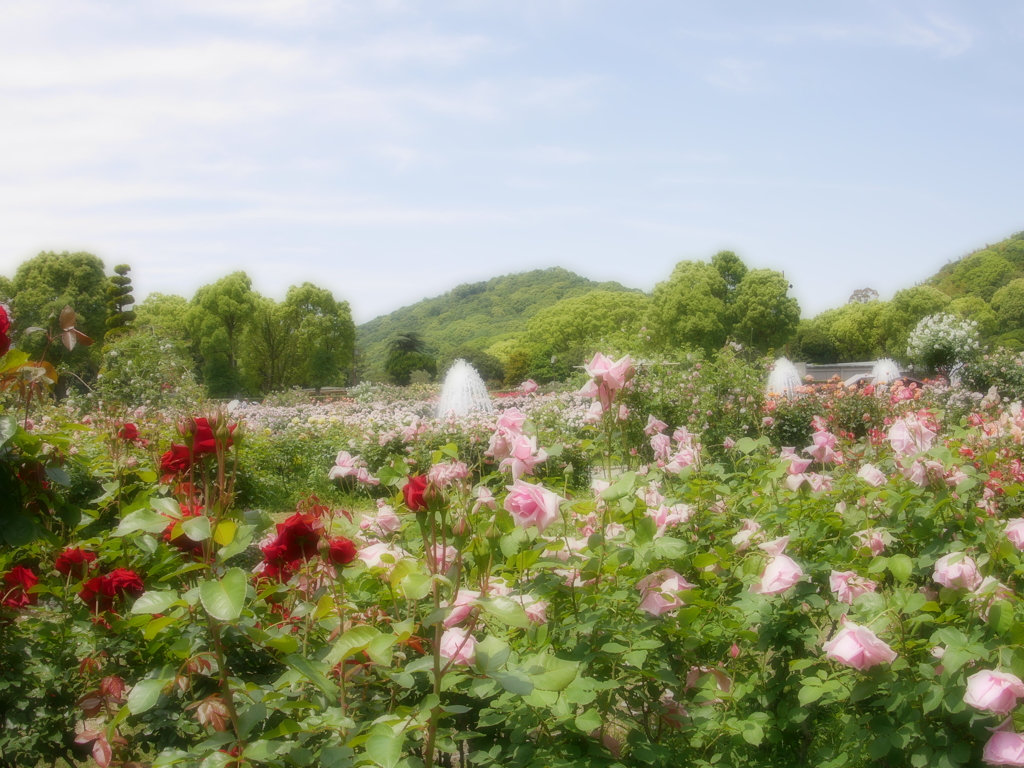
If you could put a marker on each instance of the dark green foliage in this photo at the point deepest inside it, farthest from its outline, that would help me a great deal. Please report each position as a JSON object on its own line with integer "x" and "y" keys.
{"x": 119, "y": 296}
{"x": 1002, "y": 369}
{"x": 475, "y": 313}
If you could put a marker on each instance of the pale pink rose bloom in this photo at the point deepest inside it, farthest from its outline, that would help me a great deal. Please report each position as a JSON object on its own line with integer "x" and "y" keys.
{"x": 768, "y": 422}
{"x": 665, "y": 516}
{"x": 498, "y": 587}
{"x": 675, "y": 712}
{"x": 683, "y": 437}
{"x": 363, "y": 475}
{"x": 447, "y": 472}
{"x": 872, "y": 538}
{"x": 484, "y": 498}
{"x": 614, "y": 529}
{"x": 848, "y": 586}
{"x": 662, "y": 447}
{"x": 1015, "y": 532}
{"x": 442, "y": 557}
{"x": 458, "y": 646}
{"x": 819, "y": 482}
{"x": 957, "y": 571}
{"x": 528, "y": 387}
{"x": 536, "y": 610}
{"x": 594, "y": 413}
{"x": 821, "y": 450}
{"x": 570, "y": 546}
{"x": 955, "y": 476}
{"x": 523, "y": 457}
{"x": 1004, "y": 748}
{"x": 461, "y": 607}
{"x": 780, "y": 574}
{"x": 606, "y": 378}
{"x": 872, "y": 475}
{"x": 650, "y": 495}
{"x": 797, "y": 465}
{"x": 993, "y": 691}
{"x": 729, "y": 444}
{"x": 382, "y": 555}
{"x": 909, "y": 436}
{"x": 775, "y": 547}
{"x": 682, "y": 459}
{"x": 742, "y": 538}
{"x": 659, "y": 591}
{"x": 511, "y": 421}
{"x": 623, "y": 413}
{"x": 344, "y": 465}
{"x": 858, "y": 647}
{"x": 721, "y": 680}
{"x": 384, "y": 523}
{"x": 532, "y": 505}
{"x": 654, "y": 426}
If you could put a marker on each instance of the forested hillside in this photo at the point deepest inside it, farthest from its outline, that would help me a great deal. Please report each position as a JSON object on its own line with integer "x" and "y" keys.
{"x": 475, "y": 316}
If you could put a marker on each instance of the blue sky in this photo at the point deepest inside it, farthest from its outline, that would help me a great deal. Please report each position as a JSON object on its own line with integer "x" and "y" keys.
{"x": 391, "y": 150}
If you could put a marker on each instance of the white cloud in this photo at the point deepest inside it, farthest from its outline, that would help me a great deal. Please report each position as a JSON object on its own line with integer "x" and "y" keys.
{"x": 735, "y": 74}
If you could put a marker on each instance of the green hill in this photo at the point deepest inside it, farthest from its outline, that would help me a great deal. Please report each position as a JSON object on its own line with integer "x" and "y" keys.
{"x": 476, "y": 315}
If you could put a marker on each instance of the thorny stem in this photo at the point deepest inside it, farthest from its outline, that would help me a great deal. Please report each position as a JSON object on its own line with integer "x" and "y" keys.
{"x": 225, "y": 683}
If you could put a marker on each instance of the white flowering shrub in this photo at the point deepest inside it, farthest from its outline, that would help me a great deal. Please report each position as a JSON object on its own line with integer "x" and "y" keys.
{"x": 141, "y": 370}
{"x": 943, "y": 342}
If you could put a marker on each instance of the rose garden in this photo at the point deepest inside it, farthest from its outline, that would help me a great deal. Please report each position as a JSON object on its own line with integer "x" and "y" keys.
{"x": 656, "y": 564}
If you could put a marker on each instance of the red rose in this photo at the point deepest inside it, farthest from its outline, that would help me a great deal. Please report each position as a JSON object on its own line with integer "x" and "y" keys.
{"x": 178, "y": 459}
{"x": 123, "y": 582}
{"x": 413, "y": 493}
{"x": 129, "y": 433}
{"x": 203, "y": 441}
{"x": 5, "y": 327}
{"x": 297, "y": 539}
{"x": 74, "y": 561}
{"x": 342, "y": 551}
{"x": 17, "y": 583}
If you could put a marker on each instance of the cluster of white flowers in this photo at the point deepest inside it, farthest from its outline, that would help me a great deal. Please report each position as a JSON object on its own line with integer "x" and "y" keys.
{"x": 943, "y": 341}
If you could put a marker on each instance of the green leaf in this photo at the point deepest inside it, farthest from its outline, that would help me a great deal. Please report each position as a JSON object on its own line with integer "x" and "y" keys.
{"x": 384, "y": 750}
{"x": 491, "y": 654}
{"x": 142, "y": 520}
{"x": 624, "y": 487}
{"x": 155, "y": 602}
{"x": 901, "y": 567}
{"x": 241, "y": 541}
{"x": 166, "y": 506}
{"x": 810, "y": 692}
{"x": 8, "y": 429}
{"x": 144, "y": 695}
{"x": 196, "y": 528}
{"x": 311, "y": 672}
{"x": 513, "y": 681}
{"x": 506, "y": 610}
{"x": 669, "y": 547}
{"x": 379, "y": 649}
{"x": 752, "y": 732}
{"x": 589, "y": 721}
{"x": 351, "y": 642}
{"x": 224, "y": 599}
{"x": 225, "y": 532}
{"x": 1000, "y": 617}
{"x": 549, "y": 673}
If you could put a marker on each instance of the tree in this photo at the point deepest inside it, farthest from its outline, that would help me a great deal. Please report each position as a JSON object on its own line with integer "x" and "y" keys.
{"x": 854, "y": 330}
{"x": 43, "y": 286}
{"x": 731, "y": 268}
{"x": 689, "y": 308}
{"x": 863, "y": 296}
{"x": 977, "y": 309}
{"x": 980, "y": 274}
{"x": 406, "y": 353}
{"x": 119, "y": 296}
{"x": 907, "y": 308}
{"x": 1008, "y": 304}
{"x": 326, "y": 335}
{"x": 165, "y": 314}
{"x": 217, "y": 319}
{"x": 270, "y": 354}
{"x": 765, "y": 317}
{"x": 812, "y": 344}
{"x": 943, "y": 342}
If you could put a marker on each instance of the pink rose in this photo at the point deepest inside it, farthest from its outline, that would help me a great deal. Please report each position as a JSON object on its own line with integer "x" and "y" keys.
{"x": 780, "y": 573}
{"x": 532, "y": 505}
{"x": 822, "y": 451}
{"x": 382, "y": 555}
{"x": 1004, "y": 747}
{"x": 1015, "y": 532}
{"x": 858, "y": 647}
{"x": 536, "y": 610}
{"x": 957, "y": 571}
{"x": 872, "y": 475}
{"x": 909, "y": 436}
{"x": 462, "y": 607}
{"x": 528, "y": 387}
{"x": 874, "y": 539}
{"x": 742, "y": 538}
{"x": 458, "y": 646}
{"x": 721, "y": 681}
{"x": 659, "y": 592}
{"x": 654, "y": 426}
{"x": 993, "y": 691}
{"x": 848, "y": 586}
{"x": 523, "y": 456}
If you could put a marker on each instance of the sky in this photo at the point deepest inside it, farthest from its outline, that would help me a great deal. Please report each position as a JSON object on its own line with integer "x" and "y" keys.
{"x": 391, "y": 150}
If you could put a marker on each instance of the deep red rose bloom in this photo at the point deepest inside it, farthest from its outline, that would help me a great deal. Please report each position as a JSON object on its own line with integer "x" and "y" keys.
{"x": 413, "y": 493}
{"x": 342, "y": 551}
{"x": 5, "y": 327}
{"x": 99, "y": 592}
{"x": 129, "y": 433}
{"x": 297, "y": 539}
{"x": 204, "y": 442}
{"x": 17, "y": 582}
{"x": 175, "y": 460}
{"x": 74, "y": 562}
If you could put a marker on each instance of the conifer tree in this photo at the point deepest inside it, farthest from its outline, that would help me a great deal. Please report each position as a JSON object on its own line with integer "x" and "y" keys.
{"x": 119, "y": 296}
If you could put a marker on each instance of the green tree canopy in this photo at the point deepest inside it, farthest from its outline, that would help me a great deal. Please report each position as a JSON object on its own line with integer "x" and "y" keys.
{"x": 731, "y": 268}
{"x": 43, "y": 286}
{"x": 977, "y": 309}
{"x": 765, "y": 317}
{"x": 217, "y": 320}
{"x": 119, "y": 297}
{"x": 579, "y": 322}
{"x": 854, "y": 330}
{"x": 325, "y": 335}
{"x": 907, "y": 308}
{"x": 1008, "y": 304}
{"x": 980, "y": 274}
{"x": 689, "y": 308}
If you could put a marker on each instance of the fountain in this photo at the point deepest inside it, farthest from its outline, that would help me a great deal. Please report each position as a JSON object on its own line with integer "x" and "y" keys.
{"x": 784, "y": 379}
{"x": 463, "y": 392}
{"x": 885, "y": 371}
